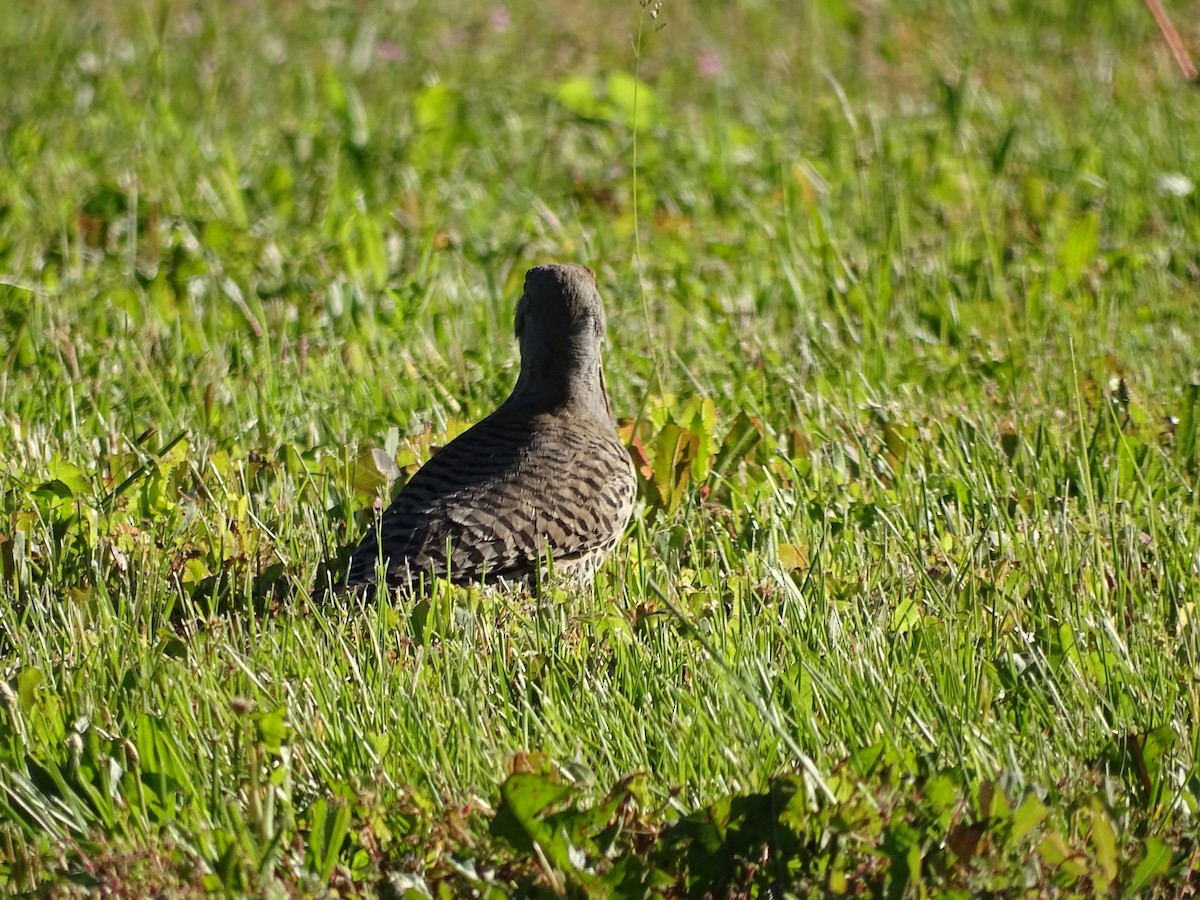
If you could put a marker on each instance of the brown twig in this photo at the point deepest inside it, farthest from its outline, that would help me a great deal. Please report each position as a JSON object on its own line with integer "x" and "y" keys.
{"x": 1174, "y": 41}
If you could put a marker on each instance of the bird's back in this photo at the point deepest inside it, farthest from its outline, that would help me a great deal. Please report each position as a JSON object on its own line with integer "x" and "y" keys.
{"x": 500, "y": 497}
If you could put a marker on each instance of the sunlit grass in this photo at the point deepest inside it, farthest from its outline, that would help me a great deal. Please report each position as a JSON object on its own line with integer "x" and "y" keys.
{"x": 907, "y": 367}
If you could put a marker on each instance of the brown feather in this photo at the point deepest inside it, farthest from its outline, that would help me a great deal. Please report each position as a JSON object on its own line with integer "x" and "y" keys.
{"x": 545, "y": 475}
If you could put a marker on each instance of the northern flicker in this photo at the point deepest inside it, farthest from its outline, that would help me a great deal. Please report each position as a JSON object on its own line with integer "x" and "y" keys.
{"x": 543, "y": 477}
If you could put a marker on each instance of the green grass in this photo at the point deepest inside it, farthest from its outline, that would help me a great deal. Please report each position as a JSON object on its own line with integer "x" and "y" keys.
{"x": 902, "y": 323}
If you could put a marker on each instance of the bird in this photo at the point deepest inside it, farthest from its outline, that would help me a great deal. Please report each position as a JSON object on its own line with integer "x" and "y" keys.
{"x": 544, "y": 477}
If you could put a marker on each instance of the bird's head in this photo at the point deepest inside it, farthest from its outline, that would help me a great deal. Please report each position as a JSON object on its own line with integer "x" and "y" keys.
{"x": 560, "y": 326}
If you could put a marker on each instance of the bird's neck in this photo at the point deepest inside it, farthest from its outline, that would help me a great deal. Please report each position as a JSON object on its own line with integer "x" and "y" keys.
{"x": 575, "y": 386}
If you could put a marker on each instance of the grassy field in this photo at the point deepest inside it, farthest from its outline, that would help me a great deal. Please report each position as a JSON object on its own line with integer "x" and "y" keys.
{"x": 902, "y": 306}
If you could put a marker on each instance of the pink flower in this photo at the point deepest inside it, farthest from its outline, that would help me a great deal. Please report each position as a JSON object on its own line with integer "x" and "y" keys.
{"x": 709, "y": 64}
{"x": 390, "y": 51}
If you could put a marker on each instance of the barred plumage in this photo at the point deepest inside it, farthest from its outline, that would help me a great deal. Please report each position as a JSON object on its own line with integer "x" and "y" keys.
{"x": 545, "y": 475}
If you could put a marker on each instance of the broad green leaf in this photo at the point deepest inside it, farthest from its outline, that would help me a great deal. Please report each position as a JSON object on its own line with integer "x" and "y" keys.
{"x": 373, "y": 470}
{"x": 1059, "y": 856}
{"x": 578, "y": 94}
{"x": 435, "y": 107}
{"x": 1154, "y": 864}
{"x": 1079, "y": 249}
{"x": 74, "y": 478}
{"x": 272, "y": 729}
{"x": 897, "y": 437}
{"x": 194, "y": 572}
{"x": 529, "y": 796}
{"x": 525, "y": 818}
{"x": 700, "y": 417}
{"x": 907, "y": 616}
{"x": 941, "y": 794}
{"x": 326, "y": 834}
{"x": 793, "y": 557}
{"x": 1104, "y": 842}
{"x": 1027, "y": 817}
{"x": 27, "y": 685}
{"x": 741, "y": 439}
{"x": 674, "y": 450}
{"x": 631, "y": 101}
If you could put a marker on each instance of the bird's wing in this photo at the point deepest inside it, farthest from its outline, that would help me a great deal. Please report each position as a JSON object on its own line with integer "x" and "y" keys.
{"x": 499, "y": 497}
